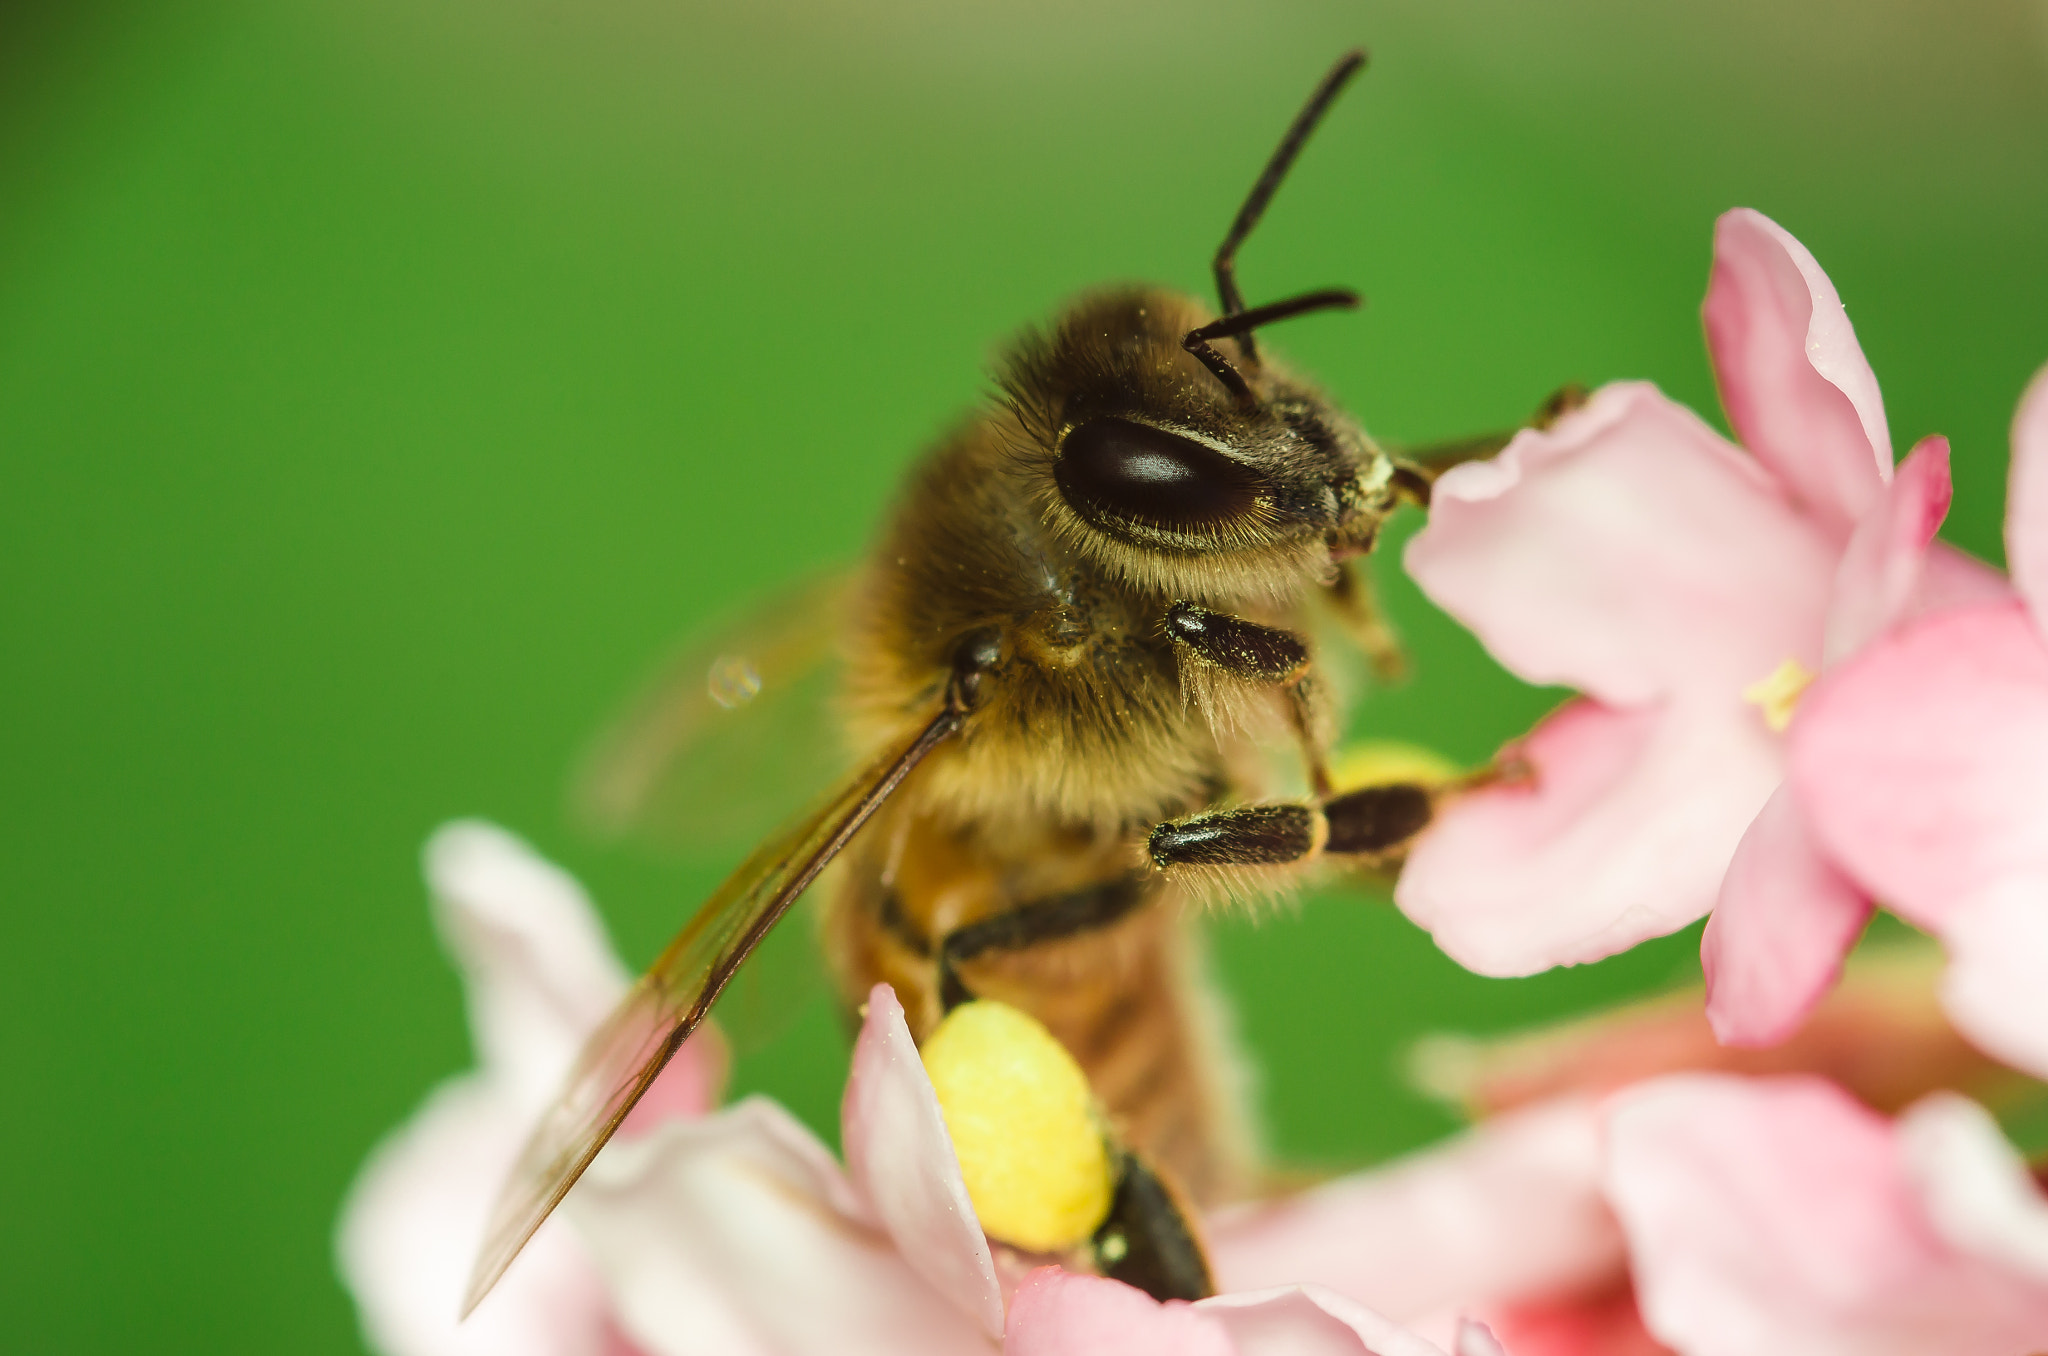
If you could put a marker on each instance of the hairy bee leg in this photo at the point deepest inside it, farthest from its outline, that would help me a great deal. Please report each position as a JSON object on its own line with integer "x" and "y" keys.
{"x": 1375, "y": 821}
{"x": 1146, "y": 1240}
{"x": 1254, "y": 653}
{"x": 1417, "y": 468}
{"x": 1028, "y": 925}
{"x": 1352, "y": 599}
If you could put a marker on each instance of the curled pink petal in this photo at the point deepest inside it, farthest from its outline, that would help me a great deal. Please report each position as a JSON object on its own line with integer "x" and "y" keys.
{"x": 1308, "y": 1320}
{"x": 1777, "y": 938}
{"x": 1976, "y": 1189}
{"x": 1622, "y": 834}
{"x": 1476, "y": 1339}
{"x": 1921, "y": 764}
{"x": 1996, "y": 988}
{"x": 1880, "y": 573}
{"x": 1773, "y": 1215}
{"x": 1056, "y": 1313}
{"x": 1509, "y": 1209}
{"x": 2026, "y": 510}
{"x": 1628, "y": 552}
{"x": 900, "y": 1159}
{"x": 540, "y": 972}
{"x": 738, "y": 1234}
{"x": 1799, "y": 393}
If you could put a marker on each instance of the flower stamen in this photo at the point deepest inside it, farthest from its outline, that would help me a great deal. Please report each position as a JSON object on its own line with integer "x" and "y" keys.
{"x": 1778, "y": 692}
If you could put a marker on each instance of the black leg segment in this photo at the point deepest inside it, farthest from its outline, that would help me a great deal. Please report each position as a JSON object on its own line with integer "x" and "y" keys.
{"x": 1255, "y": 835}
{"x": 1147, "y": 1242}
{"x": 1240, "y": 648}
{"x": 1043, "y": 920}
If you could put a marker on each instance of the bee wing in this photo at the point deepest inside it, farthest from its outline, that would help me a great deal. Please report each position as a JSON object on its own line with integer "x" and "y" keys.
{"x": 734, "y": 727}
{"x": 623, "y": 1057}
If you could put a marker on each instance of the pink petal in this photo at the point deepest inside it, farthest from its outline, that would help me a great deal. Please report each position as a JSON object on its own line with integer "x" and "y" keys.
{"x": 1996, "y": 988}
{"x": 901, "y": 1161}
{"x": 1308, "y": 1320}
{"x": 1772, "y": 1215}
{"x": 540, "y": 974}
{"x": 1476, "y": 1339}
{"x": 1922, "y": 764}
{"x": 412, "y": 1225}
{"x": 2026, "y": 510}
{"x": 1628, "y": 552}
{"x": 1509, "y": 1209}
{"x": 1798, "y": 391}
{"x": 1880, "y": 572}
{"x": 1623, "y": 834}
{"x": 1777, "y": 938}
{"x": 737, "y": 1234}
{"x": 1056, "y": 1313}
{"x": 1977, "y": 1191}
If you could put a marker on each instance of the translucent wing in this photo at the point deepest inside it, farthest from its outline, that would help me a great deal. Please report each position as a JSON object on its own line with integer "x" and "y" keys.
{"x": 734, "y": 727}
{"x": 622, "y": 1059}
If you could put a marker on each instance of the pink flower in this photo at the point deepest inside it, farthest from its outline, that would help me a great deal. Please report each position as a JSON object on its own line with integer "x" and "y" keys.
{"x": 1058, "y": 1314}
{"x": 1686, "y": 587}
{"x": 736, "y": 1233}
{"x": 540, "y": 975}
{"x": 1923, "y": 768}
{"x": 1778, "y": 1215}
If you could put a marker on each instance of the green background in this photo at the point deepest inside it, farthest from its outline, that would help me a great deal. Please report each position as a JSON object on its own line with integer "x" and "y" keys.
{"x": 383, "y": 385}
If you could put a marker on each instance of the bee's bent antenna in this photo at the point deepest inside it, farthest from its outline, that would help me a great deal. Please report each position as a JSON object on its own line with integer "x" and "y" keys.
{"x": 1242, "y": 323}
{"x": 1276, "y": 169}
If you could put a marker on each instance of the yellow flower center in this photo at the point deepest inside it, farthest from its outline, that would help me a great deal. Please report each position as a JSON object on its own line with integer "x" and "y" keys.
{"x": 1024, "y": 1126}
{"x": 1778, "y": 692}
{"x": 1385, "y": 762}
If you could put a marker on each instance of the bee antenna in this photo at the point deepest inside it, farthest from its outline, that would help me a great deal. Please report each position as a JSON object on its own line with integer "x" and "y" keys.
{"x": 1241, "y": 325}
{"x": 1262, "y": 192}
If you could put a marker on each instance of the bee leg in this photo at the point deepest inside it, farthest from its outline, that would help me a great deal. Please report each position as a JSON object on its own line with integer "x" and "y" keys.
{"x": 1417, "y": 468}
{"x": 1146, "y": 1240}
{"x": 1375, "y": 822}
{"x": 1351, "y": 598}
{"x": 1253, "y": 653}
{"x": 1043, "y": 920}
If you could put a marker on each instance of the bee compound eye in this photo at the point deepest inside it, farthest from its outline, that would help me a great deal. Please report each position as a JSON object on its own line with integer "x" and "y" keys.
{"x": 1136, "y": 472}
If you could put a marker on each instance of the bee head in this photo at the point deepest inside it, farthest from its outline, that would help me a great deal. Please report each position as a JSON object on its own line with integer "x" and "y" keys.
{"x": 1143, "y": 458}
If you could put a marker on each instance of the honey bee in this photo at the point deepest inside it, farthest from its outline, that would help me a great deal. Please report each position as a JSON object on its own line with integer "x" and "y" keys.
{"x": 1088, "y": 614}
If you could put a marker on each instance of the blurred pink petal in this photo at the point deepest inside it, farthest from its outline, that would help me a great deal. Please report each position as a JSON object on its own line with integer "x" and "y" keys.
{"x": 1055, "y": 1313}
{"x": 1308, "y": 1320}
{"x": 1798, "y": 391}
{"x": 1601, "y": 1323}
{"x": 1784, "y": 923}
{"x": 1623, "y": 834}
{"x": 1774, "y": 1215}
{"x": 539, "y": 975}
{"x": 1879, "y": 577}
{"x": 1629, "y": 552}
{"x": 1922, "y": 766}
{"x": 2026, "y": 506}
{"x": 1996, "y": 988}
{"x": 1511, "y": 1209}
{"x": 738, "y": 1234}
{"x": 1976, "y": 1189}
{"x": 1476, "y": 1339}
{"x": 902, "y": 1164}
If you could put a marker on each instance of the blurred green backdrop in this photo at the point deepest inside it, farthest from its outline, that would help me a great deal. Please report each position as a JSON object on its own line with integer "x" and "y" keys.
{"x": 384, "y": 385}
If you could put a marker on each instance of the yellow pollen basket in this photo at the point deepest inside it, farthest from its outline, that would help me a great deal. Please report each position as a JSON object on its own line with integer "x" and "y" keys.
{"x": 1778, "y": 692}
{"x": 1023, "y": 1124}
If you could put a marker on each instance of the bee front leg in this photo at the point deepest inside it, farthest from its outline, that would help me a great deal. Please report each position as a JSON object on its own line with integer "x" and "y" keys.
{"x": 1371, "y": 826}
{"x": 1250, "y": 653}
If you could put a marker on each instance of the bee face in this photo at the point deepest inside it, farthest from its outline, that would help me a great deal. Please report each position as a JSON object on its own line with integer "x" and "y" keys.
{"x": 1145, "y": 462}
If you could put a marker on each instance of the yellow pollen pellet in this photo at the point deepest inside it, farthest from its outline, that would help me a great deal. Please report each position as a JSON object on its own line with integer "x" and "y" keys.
{"x": 1384, "y": 762}
{"x": 1023, "y": 1124}
{"x": 1778, "y": 692}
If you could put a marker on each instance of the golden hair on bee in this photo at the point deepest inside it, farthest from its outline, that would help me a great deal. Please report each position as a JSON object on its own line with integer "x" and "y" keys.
{"x": 1083, "y": 628}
